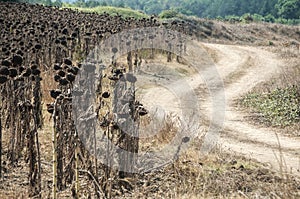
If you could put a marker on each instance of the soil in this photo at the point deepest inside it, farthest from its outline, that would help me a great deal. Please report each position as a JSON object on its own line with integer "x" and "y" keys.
{"x": 241, "y": 68}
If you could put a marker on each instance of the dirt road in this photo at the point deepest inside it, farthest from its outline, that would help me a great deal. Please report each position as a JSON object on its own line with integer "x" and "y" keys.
{"x": 252, "y": 65}
{"x": 240, "y": 68}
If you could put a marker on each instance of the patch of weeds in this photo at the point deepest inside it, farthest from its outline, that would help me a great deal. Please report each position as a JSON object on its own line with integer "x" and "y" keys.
{"x": 124, "y": 12}
{"x": 280, "y": 107}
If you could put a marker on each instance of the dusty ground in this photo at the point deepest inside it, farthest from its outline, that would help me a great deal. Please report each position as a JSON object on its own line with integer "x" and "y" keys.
{"x": 241, "y": 164}
{"x": 241, "y": 68}
{"x": 249, "y": 160}
{"x": 263, "y": 144}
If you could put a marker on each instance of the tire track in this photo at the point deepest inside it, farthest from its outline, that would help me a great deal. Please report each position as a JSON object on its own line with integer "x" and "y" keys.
{"x": 240, "y": 68}
{"x": 281, "y": 152}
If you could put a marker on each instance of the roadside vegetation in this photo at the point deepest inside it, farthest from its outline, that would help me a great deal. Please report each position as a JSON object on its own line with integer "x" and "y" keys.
{"x": 192, "y": 175}
{"x": 113, "y": 11}
{"x": 273, "y": 11}
{"x": 279, "y": 107}
{"x": 245, "y": 18}
{"x": 276, "y": 103}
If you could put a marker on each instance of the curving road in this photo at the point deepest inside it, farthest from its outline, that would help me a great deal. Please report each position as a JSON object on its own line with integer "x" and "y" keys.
{"x": 250, "y": 66}
{"x": 240, "y": 68}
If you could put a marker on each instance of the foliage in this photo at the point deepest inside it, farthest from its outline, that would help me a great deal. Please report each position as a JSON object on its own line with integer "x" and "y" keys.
{"x": 289, "y": 9}
{"x": 232, "y": 18}
{"x": 207, "y": 8}
{"x": 124, "y": 12}
{"x": 258, "y": 18}
{"x": 280, "y": 107}
{"x": 167, "y": 14}
{"x": 266, "y": 10}
{"x": 269, "y": 18}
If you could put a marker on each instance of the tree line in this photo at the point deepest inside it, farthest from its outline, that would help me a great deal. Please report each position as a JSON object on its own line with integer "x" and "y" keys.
{"x": 288, "y": 9}
{"x": 267, "y": 10}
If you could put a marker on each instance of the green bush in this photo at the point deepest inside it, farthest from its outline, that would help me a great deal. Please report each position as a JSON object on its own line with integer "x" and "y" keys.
{"x": 246, "y": 18}
{"x": 280, "y": 107}
{"x": 271, "y": 43}
{"x": 257, "y": 17}
{"x": 270, "y": 18}
{"x": 281, "y": 20}
{"x": 167, "y": 14}
{"x": 232, "y": 18}
{"x": 219, "y": 18}
{"x": 124, "y": 12}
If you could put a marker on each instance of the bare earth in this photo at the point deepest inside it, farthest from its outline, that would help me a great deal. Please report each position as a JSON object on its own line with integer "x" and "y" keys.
{"x": 240, "y": 68}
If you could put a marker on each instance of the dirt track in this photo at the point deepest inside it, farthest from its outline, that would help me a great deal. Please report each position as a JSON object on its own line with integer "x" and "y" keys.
{"x": 240, "y": 68}
{"x": 282, "y": 153}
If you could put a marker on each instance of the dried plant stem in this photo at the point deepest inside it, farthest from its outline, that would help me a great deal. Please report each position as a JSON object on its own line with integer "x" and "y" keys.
{"x": 95, "y": 181}
{"x": 0, "y": 145}
{"x": 76, "y": 169}
{"x": 95, "y": 155}
{"x": 37, "y": 115}
{"x": 54, "y": 140}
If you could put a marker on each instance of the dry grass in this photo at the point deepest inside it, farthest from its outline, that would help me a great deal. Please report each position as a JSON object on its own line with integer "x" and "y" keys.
{"x": 218, "y": 175}
{"x": 255, "y": 34}
{"x": 193, "y": 175}
{"x": 48, "y": 84}
{"x": 288, "y": 75}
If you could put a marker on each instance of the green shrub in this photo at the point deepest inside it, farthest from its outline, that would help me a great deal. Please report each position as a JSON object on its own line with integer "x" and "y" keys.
{"x": 232, "y": 18}
{"x": 271, "y": 43}
{"x": 219, "y": 18}
{"x": 270, "y": 18}
{"x": 124, "y": 12}
{"x": 257, "y": 17}
{"x": 280, "y": 107}
{"x": 167, "y": 14}
{"x": 246, "y": 18}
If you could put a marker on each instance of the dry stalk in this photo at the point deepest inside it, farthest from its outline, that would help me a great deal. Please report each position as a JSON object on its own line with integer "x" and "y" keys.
{"x": 54, "y": 158}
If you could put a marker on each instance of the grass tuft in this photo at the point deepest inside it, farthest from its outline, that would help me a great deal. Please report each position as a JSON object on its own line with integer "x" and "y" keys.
{"x": 124, "y": 12}
{"x": 279, "y": 107}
